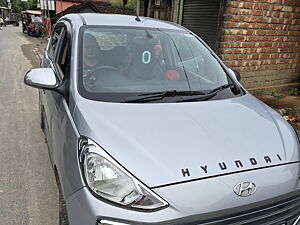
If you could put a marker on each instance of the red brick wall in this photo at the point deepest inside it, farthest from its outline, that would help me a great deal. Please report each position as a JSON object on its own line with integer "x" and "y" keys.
{"x": 64, "y": 5}
{"x": 261, "y": 40}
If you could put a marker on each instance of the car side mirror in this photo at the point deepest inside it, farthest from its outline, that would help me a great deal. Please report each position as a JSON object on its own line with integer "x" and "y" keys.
{"x": 43, "y": 78}
{"x": 236, "y": 74}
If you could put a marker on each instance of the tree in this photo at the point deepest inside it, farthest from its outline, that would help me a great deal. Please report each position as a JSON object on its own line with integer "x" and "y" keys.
{"x": 3, "y": 3}
{"x": 130, "y": 4}
{"x": 18, "y": 5}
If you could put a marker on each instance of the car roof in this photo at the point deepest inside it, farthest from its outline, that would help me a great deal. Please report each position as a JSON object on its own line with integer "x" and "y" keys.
{"x": 126, "y": 21}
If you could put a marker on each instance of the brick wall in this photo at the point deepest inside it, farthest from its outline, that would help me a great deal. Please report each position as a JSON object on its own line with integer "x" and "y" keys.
{"x": 261, "y": 40}
{"x": 64, "y": 5}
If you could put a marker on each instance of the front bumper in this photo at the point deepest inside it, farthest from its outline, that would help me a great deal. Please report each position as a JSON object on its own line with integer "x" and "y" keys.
{"x": 208, "y": 201}
{"x": 108, "y": 222}
{"x": 285, "y": 212}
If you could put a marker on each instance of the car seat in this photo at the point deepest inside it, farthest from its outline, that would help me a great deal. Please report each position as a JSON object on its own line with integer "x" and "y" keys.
{"x": 144, "y": 62}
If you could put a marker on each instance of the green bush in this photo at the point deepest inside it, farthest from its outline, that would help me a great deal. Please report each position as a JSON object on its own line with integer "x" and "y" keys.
{"x": 275, "y": 94}
{"x": 130, "y": 5}
{"x": 294, "y": 91}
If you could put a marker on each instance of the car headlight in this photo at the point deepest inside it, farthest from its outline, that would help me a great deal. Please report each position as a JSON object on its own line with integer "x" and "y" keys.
{"x": 109, "y": 180}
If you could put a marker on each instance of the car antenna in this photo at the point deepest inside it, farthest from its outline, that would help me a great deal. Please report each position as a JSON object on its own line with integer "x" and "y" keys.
{"x": 137, "y": 18}
{"x": 148, "y": 35}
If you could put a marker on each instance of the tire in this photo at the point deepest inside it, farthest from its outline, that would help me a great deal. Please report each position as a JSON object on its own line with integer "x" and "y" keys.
{"x": 63, "y": 214}
{"x": 36, "y": 33}
{"x": 41, "y": 115}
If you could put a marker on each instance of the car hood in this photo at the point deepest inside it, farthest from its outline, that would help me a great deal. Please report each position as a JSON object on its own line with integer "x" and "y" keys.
{"x": 167, "y": 143}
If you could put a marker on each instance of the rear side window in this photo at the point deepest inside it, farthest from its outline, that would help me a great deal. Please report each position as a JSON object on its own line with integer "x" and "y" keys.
{"x": 54, "y": 41}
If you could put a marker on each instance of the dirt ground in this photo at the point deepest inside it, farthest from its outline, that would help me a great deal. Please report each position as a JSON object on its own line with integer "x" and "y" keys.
{"x": 288, "y": 104}
{"x": 288, "y": 101}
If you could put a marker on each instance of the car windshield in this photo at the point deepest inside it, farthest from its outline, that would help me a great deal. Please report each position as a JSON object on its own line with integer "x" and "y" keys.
{"x": 36, "y": 19}
{"x": 118, "y": 63}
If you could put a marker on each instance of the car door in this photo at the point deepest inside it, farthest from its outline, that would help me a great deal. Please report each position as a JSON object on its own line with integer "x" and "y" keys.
{"x": 57, "y": 59}
{"x": 62, "y": 135}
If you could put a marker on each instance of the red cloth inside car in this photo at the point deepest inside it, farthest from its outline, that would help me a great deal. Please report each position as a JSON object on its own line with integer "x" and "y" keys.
{"x": 172, "y": 75}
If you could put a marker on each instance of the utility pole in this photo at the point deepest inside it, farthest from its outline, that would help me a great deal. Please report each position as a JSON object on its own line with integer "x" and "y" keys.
{"x": 149, "y": 8}
{"x": 124, "y": 3}
{"x": 44, "y": 7}
{"x": 9, "y": 4}
{"x": 48, "y": 14}
{"x": 138, "y": 6}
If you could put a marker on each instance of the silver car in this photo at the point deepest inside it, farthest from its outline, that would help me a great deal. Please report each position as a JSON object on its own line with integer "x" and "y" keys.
{"x": 146, "y": 125}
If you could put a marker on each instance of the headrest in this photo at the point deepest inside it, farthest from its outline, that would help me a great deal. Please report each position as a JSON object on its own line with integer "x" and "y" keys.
{"x": 143, "y": 43}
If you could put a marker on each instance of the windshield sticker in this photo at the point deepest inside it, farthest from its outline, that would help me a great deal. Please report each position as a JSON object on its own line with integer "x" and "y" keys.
{"x": 146, "y": 57}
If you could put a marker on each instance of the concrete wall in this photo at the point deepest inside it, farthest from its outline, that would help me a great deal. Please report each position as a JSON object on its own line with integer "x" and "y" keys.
{"x": 261, "y": 40}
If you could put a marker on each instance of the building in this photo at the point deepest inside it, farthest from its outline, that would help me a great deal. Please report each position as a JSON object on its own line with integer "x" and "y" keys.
{"x": 92, "y": 7}
{"x": 64, "y": 4}
{"x": 53, "y": 7}
{"x": 3, "y": 11}
{"x": 258, "y": 38}
{"x": 47, "y": 6}
{"x": 161, "y": 9}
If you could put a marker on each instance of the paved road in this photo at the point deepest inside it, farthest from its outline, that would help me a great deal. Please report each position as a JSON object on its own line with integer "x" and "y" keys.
{"x": 28, "y": 193}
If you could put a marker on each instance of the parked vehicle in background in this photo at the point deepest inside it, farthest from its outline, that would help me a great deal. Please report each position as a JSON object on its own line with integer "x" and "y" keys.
{"x": 2, "y": 22}
{"x": 13, "y": 19}
{"x": 3, "y": 14}
{"x": 146, "y": 125}
{"x": 32, "y": 23}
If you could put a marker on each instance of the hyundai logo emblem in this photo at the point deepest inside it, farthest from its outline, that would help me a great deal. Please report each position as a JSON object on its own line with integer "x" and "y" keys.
{"x": 244, "y": 189}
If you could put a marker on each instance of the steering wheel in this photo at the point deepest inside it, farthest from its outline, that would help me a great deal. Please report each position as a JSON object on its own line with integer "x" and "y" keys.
{"x": 91, "y": 78}
{"x": 89, "y": 72}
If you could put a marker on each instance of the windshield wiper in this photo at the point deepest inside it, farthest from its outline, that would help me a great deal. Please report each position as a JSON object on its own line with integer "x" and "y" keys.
{"x": 202, "y": 96}
{"x": 221, "y": 88}
{"x": 154, "y": 96}
{"x": 210, "y": 94}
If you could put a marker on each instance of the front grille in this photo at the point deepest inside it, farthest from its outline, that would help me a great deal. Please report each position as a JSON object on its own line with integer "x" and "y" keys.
{"x": 282, "y": 213}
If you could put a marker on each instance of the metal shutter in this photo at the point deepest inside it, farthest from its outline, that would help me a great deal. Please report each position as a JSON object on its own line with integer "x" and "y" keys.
{"x": 202, "y": 17}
